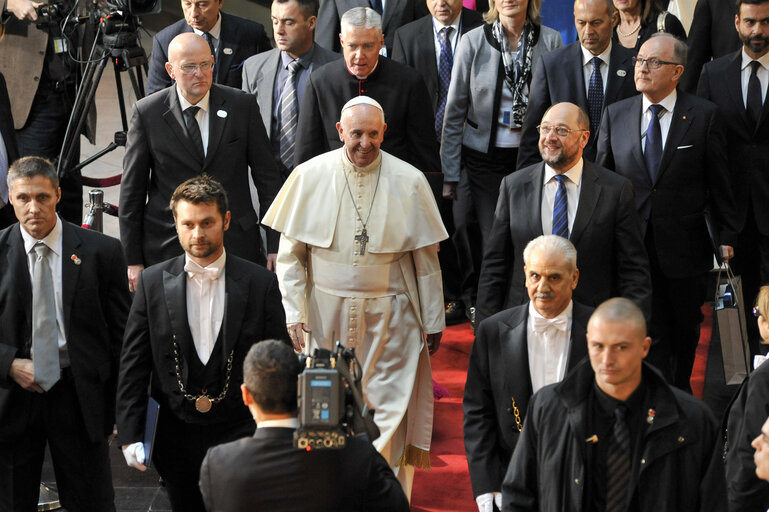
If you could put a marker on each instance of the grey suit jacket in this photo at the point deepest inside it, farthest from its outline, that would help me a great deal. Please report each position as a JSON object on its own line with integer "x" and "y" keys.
{"x": 474, "y": 94}
{"x": 259, "y": 77}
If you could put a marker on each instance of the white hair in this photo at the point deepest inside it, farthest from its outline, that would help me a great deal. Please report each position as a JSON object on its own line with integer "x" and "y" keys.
{"x": 553, "y": 244}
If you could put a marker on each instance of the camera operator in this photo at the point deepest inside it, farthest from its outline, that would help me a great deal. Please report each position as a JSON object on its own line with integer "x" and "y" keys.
{"x": 36, "y": 59}
{"x": 265, "y": 472}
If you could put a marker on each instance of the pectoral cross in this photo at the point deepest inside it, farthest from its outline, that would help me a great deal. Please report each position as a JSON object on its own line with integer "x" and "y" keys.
{"x": 362, "y": 239}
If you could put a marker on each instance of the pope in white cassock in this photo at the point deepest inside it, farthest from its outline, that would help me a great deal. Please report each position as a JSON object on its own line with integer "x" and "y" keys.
{"x": 358, "y": 263}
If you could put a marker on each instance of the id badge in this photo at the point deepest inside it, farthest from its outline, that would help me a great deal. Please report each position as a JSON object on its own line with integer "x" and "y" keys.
{"x": 60, "y": 45}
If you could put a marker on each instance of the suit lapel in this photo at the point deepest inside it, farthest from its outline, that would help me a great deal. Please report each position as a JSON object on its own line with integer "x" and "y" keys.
{"x": 175, "y": 121}
{"x": 217, "y": 120}
{"x": 613, "y": 79}
{"x": 175, "y": 291}
{"x": 264, "y": 88}
{"x": 589, "y": 193}
{"x": 223, "y": 60}
{"x": 234, "y": 308}
{"x": 533, "y": 190}
{"x": 426, "y": 59}
{"x": 513, "y": 337}
{"x": 679, "y": 125}
{"x": 733, "y": 83}
{"x": 16, "y": 264}
{"x": 633, "y": 134}
{"x": 576, "y": 76}
{"x": 578, "y": 349}
{"x": 391, "y": 7}
{"x": 70, "y": 271}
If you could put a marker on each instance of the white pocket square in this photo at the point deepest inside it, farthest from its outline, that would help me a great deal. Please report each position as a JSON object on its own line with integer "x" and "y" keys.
{"x": 685, "y": 147}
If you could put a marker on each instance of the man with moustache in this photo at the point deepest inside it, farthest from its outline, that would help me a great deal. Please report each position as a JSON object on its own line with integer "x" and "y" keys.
{"x": 591, "y": 73}
{"x": 516, "y": 352}
{"x": 278, "y": 77}
{"x": 569, "y": 196}
{"x": 232, "y": 40}
{"x": 614, "y": 436}
{"x": 737, "y": 84}
{"x": 193, "y": 319}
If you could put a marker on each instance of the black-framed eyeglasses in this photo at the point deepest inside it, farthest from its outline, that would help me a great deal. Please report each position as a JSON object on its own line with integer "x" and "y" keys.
{"x": 189, "y": 69}
{"x": 756, "y": 312}
{"x": 653, "y": 62}
{"x": 561, "y": 131}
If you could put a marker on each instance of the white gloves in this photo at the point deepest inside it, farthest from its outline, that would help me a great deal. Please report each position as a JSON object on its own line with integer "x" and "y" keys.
{"x": 134, "y": 456}
{"x": 486, "y": 501}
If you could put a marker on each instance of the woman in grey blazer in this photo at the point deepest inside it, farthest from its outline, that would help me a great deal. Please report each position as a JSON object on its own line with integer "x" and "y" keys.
{"x": 486, "y": 102}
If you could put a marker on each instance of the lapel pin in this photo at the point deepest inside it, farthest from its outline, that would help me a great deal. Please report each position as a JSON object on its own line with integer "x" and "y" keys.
{"x": 650, "y": 416}
{"x": 227, "y": 51}
{"x": 221, "y": 113}
{"x": 621, "y": 72}
{"x": 684, "y": 118}
{"x": 592, "y": 439}
{"x": 75, "y": 259}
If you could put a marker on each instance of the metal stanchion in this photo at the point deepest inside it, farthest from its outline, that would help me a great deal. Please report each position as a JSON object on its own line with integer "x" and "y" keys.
{"x": 49, "y": 499}
{"x": 96, "y": 210}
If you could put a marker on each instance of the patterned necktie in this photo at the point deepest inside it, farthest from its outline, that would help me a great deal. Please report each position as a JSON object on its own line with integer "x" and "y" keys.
{"x": 595, "y": 97}
{"x": 444, "y": 75}
{"x": 754, "y": 103}
{"x": 45, "y": 334}
{"x": 561, "y": 208}
{"x": 193, "y": 130}
{"x": 377, "y": 6}
{"x": 289, "y": 112}
{"x": 618, "y": 463}
{"x": 653, "y": 149}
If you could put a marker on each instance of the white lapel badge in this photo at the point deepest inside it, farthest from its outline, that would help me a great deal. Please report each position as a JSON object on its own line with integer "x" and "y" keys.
{"x": 621, "y": 72}
{"x": 75, "y": 259}
{"x": 227, "y": 51}
{"x": 221, "y": 113}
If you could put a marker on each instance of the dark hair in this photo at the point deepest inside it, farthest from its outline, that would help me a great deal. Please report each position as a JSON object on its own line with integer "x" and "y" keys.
{"x": 270, "y": 371}
{"x": 679, "y": 47}
{"x": 307, "y": 7}
{"x": 30, "y": 166}
{"x": 201, "y": 190}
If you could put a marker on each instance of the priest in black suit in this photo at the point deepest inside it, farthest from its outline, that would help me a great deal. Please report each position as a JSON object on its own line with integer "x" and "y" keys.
{"x": 569, "y": 74}
{"x": 398, "y": 88}
{"x": 8, "y": 153}
{"x": 192, "y": 321}
{"x": 223, "y": 138}
{"x": 266, "y": 472}
{"x": 58, "y": 357}
{"x": 232, "y": 39}
{"x": 516, "y": 352}
{"x": 682, "y": 191}
{"x": 728, "y": 83}
{"x": 601, "y": 219}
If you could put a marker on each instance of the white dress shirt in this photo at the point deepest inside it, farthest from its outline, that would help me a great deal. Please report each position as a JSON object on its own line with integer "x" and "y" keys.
{"x": 453, "y": 38}
{"x": 201, "y": 117}
{"x": 550, "y": 187}
{"x": 215, "y": 32}
{"x": 762, "y": 73}
{"x": 548, "y": 342}
{"x": 284, "y": 423}
{"x": 587, "y": 66}
{"x": 54, "y": 242}
{"x": 666, "y": 117}
{"x": 205, "y": 303}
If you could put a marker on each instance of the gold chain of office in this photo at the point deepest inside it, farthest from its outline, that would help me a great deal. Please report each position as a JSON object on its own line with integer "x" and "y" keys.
{"x": 203, "y": 402}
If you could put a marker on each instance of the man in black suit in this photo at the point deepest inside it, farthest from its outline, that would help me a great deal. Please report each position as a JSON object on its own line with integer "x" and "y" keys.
{"x": 710, "y": 37}
{"x": 670, "y": 145}
{"x": 232, "y": 40}
{"x": 516, "y": 352}
{"x": 223, "y": 137}
{"x": 728, "y": 83}
{"x": 8, "y": 153}
{"x": 418, "y": 45}
{"x": 266, "y": 472}
{"x": 398, "y": 88}
{"x": 63, "y": 306}
{"x": 192, "y": 321}
{"x": 266, "y": 75}
{"x": 570, "y": 74}
{"x": 601, "y": 221}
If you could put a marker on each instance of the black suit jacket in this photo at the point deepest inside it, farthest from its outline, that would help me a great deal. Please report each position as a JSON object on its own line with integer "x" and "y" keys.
{"x": 712, "y": 35}
{"x": 266, "y": 473}
{"x": 243, "y": 37}
{"x": 559, "y": 77}
{"x": 611, "y": 257}
{"x": 95, "y": 301}
{"x": 253, "y": 312}
{"x": 9, "y": 138}
{"x": 498, "y": 373}
{"x": 414, "y": 45}
{"x": 159, "y": 157}
{"x": 747, "y": 146}
{"x": 692, "y": 181}
{"x": 399, "y": 89}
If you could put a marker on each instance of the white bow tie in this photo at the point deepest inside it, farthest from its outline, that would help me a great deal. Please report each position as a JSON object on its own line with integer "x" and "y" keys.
{"x": 540, "y": 324}
{"x": 195, "y": 270}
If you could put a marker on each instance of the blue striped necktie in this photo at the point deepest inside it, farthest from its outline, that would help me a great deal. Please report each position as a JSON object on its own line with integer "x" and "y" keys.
{"x": 561, "y": 208}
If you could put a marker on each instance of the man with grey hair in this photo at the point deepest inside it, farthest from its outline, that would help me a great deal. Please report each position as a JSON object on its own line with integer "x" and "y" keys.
{"x": 517, "y": 352}
{"x": 399, "y": 89}
{"x": 614, "y": 436}
{"x": 355, "y": 267}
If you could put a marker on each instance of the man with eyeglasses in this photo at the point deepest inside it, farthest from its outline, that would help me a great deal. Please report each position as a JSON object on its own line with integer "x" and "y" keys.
{"x": 189, "y": 129}
{"x": 670, "y": 145}
{"x": 569, "y": 196}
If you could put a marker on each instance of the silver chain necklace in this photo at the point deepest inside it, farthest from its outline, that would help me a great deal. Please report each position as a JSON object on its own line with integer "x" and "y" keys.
{"x": 362, "y": 239}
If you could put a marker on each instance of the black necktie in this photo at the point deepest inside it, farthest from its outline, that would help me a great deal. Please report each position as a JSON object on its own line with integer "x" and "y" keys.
{"x": 618, "y": 463}
{"x": 653, "y": 149}
{"x": 754, "y": 103}
{"x": 193, "y": 130}
{"x": 595, "y": 97}
{"x": 444, "y": 75}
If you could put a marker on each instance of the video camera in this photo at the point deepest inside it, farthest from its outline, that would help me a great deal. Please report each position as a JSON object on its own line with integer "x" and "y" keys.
{"x": 330, "y": 401}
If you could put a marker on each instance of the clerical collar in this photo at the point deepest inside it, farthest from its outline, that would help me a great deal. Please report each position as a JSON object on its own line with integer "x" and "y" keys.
{"x": 372, "y": 167}
{"x": 363, "y": 77}
{"x": 215, "y": 30}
